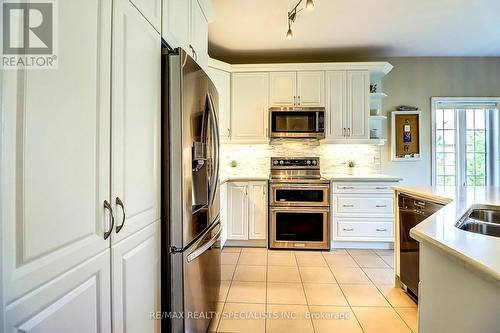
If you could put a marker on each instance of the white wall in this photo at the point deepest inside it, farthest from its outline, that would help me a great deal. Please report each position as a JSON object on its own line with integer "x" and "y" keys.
{"x": 413, "y": 81}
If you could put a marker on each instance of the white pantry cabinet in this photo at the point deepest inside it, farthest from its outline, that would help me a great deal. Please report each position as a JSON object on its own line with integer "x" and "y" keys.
{"x": 55, "y": 176}
{"x": 136, "y": 96}
{"x": 136, "y": 281}
{"x": 185, "y": 24}
{"x": 151, "y": 9}
{"x": 348, "y": 106}
{"x": 64, "y": 163}
{"x": 247, "y": 210}
{"x": 303, "y": 88}
{"x": 249, "y": 107}
{"x": 222, "y": 81}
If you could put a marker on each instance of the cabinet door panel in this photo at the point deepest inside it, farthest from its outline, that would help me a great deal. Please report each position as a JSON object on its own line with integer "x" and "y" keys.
{"x": 136, "y": 120}
{"x": 151, "y": 9}
{"x": 56, "y": 147}
{"x": 283, "y": 88}
{"x": 77, "y": 301}
{"x": 176, "y": 22}
{"x": 136, "y": 281}
{"x": 358, "y": 104}
{"x": 222, "y": 81}
{"x": 336, "y": 104}
{"x": 249, "y": 107}
{"x": 257, "y": 210}
{"x": 199, "y": 34}
{"x": 237, "y": 211}
{"x": 311, "y": 88}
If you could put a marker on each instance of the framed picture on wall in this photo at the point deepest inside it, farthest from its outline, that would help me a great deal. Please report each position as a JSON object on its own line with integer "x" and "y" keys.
{"x": 405, "y": 136}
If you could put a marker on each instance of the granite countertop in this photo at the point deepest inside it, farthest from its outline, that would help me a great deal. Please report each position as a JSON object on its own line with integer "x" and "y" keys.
{"x": 480, "y": 253}
{"x": 361, "y": 177}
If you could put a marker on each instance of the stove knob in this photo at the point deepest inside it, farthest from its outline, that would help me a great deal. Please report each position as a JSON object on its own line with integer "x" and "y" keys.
{"x": 275, "y": 162}
{"x": 314, "y": 162}
{"x": 281, "y": 162}
{"x": 308, "y": 162}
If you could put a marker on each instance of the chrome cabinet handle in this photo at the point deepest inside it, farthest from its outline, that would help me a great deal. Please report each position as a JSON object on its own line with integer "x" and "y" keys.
{"x": 348, "y": 131}
{"x": 120, "y": 203}
{"x": 381, "y": 229}
{"x": 348, "y": 229}
{"x": 381, "y": 187}
{"x": 347, "y": 205}
{"x": 380, "y": 206}
{"x": 347, "y": 187}
{"x": 108, "y": 207}
{"x": 228, "y": 132}
{"x": 343, "y": 132}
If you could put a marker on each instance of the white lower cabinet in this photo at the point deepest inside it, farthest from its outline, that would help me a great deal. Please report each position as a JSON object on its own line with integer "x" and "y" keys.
{"x": 363, "y": 211}
{"x": 135, "y": 281}
{"x": 246, "y": 205}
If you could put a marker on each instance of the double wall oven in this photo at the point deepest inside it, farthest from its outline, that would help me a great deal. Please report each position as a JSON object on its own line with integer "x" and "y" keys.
{"x": 299, "y": 204}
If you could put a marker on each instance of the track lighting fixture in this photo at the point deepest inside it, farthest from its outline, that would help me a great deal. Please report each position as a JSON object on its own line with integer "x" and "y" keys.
{"x": 292, "y": 15}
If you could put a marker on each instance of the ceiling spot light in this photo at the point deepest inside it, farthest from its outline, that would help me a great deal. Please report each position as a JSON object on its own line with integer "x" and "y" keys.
{"x": 292, "y": 15}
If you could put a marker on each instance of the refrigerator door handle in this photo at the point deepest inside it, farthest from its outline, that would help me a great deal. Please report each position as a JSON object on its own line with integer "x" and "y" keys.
{"x": 201, "y": 249}
{"x": 215, "y": 129}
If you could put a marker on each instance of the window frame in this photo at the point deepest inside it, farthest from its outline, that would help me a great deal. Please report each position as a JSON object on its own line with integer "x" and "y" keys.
{"x": 460, "y": 136}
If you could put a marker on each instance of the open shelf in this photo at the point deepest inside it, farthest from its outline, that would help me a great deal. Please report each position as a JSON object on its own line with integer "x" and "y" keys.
{"x": 378, "y": 95}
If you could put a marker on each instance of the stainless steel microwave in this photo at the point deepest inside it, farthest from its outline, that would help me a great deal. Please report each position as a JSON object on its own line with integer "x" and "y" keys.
{"x": 297, "y": 122}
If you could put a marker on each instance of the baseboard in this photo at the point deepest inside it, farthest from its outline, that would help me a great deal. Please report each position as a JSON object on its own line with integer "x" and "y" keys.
{"x": 246, "y": 243}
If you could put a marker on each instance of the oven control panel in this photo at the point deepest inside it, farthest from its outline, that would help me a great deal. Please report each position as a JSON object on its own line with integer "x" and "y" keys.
{"x": 302, "y": 162}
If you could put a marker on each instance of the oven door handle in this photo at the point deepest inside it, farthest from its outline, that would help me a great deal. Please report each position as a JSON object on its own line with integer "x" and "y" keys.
{"x": 300, "y": 186}
{"x": 322, "y": 209}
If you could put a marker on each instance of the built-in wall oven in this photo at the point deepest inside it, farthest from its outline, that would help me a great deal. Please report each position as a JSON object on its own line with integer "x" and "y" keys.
{"x": 297, "y": 122}
{"x": 299, "y": 204}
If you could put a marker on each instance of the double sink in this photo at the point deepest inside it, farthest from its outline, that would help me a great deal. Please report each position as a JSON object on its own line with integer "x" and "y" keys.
{"x": 481, "y": 219}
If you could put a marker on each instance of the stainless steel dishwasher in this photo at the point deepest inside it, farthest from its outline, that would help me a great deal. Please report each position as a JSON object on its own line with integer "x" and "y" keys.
{"x": 412, "y": 211}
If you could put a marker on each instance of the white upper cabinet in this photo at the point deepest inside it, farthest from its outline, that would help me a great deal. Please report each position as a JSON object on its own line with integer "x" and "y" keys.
{"x": 336, "y": 86}
{"x": 249, "y": 107}
{"x": 185, "y": 24}
{"x": 176, "y": 23}
{"x": 151, "y": 9}
{"x": 358, "y": 104}
{"x": 311, "y": 88}
{"x": 222, "y": 81}
{"x": 55, "y": 170}
{"x": 136, "y": 94}
{"x": 283, "y": 88}
{"x": 199, "y": 35}
{"x": 348, "y": 105}
{"x": 304, "y": 88}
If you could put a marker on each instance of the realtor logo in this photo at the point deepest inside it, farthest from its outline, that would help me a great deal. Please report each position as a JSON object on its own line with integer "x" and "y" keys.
{"x": 28, "y": 34}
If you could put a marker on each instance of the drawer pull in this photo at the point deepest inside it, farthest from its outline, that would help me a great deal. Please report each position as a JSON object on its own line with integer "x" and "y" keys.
{"x": 381, "y": 229}
{"x": 348, "y": 229}
{"x": 347, "y": 205}
{"x": 381, "y": 187}
{"x": 348, "y": 187}
{"x": 380, "y": 206}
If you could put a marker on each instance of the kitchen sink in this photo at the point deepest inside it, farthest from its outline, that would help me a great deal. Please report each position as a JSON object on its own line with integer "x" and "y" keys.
{"x": 481, "y": 219}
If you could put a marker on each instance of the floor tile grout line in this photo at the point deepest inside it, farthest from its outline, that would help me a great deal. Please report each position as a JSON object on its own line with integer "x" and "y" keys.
{"x": 349, "y": 304}
{"x": 304, "y": 291}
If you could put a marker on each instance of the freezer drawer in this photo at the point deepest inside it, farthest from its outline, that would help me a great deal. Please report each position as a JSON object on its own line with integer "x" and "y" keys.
{"x": 199, "y": 266}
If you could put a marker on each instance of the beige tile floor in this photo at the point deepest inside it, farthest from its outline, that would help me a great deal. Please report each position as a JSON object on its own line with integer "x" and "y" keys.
{"x": 341, "y": 291}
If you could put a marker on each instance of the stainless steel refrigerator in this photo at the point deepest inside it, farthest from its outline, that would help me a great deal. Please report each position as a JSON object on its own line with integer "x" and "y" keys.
{"x": 191, "y": 224}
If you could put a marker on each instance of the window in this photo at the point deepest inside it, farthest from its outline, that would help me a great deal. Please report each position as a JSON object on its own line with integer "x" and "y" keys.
{"x": 465, "y": 141}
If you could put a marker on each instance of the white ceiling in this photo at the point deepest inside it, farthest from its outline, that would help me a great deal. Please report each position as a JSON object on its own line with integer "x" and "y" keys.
{"x": 246, "y": 29}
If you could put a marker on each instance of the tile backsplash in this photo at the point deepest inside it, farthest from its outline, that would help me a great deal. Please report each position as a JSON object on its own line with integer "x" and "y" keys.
{"x": 253, "y": 159}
